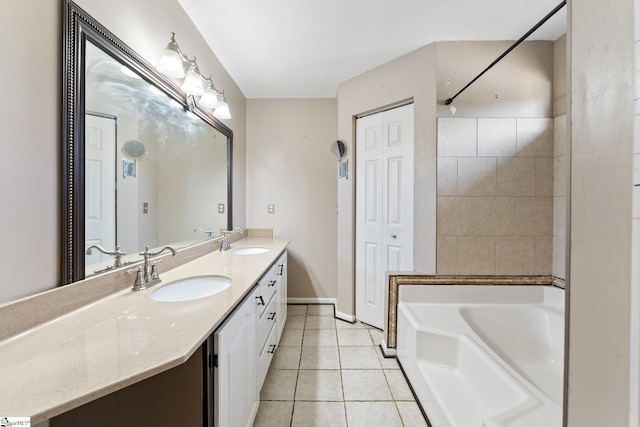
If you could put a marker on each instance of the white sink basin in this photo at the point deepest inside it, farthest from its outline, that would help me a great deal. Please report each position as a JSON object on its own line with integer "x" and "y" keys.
{"x": 191, "y": 288}
{"x": 250, "y": 250}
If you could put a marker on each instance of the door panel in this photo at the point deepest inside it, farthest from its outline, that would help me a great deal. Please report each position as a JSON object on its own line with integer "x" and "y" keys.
{"x": 384, "y": 206}
{"x": 100, "y": 185}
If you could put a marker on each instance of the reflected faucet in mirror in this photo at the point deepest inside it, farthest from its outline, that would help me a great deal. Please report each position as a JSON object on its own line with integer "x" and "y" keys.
{"x": 208, "y": 233}
{"x": 117, "y": 254}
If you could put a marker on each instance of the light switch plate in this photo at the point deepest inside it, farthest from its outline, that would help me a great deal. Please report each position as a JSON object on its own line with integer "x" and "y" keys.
{"x": 271, "y": 208}
{"x": 145, "y": 207}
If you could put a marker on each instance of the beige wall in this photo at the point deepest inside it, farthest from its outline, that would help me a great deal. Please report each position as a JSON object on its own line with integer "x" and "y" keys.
{"x": 409, "y": 77}
{"x": 289, "y": 165}
{"x": 601, "y": 49}
{"x": 30, "y": 112}
{"x": 520, "y": 85}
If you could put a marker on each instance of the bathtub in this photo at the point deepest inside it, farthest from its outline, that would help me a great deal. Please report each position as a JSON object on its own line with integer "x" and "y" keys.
{"x": 484, "y": 356}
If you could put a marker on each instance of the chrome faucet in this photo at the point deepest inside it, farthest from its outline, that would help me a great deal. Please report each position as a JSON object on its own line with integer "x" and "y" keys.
{"x": 209, "y": 233}
{"x": 117, "y": 254}
{"x": 147, "y": 274}
{"x": 224, "y": 244}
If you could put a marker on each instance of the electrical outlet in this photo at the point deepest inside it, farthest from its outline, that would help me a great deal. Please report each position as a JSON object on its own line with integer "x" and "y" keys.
{"x": 220, "y": 207}
{"x": 271, "y": 208}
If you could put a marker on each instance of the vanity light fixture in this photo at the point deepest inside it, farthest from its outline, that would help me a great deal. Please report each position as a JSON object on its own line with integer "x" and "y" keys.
{"x": 175, "y": 64}
{"x": 193, "y": 81}
{"x": 171, "y": 62}
{"x": 222, "y": 111}
{"x": 211, "y": 98}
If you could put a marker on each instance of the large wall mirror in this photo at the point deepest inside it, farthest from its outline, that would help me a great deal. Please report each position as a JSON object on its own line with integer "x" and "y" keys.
{"x": 143, "y": 163}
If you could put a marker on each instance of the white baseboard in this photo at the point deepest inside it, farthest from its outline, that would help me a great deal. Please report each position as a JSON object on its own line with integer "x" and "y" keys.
{"x": 346, "y": 317}
{"x": 311, "y": 301}
{"x": 386, "y": 351}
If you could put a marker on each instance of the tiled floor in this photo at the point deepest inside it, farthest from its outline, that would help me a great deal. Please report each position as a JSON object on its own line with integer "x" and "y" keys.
{"x": 327, "y": 372}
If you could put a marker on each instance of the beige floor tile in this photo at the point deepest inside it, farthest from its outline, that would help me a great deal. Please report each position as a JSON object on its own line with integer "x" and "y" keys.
{"x": 280, "y": 384}
{"x": 354, "y": 337}
{"x": 320, "y": 322}
{"x": 320, "y": 358}
{"x": 342, "y": 324}
{"x": 297, "y": 309}
{"x": 411, "y": 414}
{"x": 320, "y": 310}
{"x": 286, "y": 358}
{"x": 359, "y": 358}
{"x": 376, "y": 336}
{"x": 323, "y": 385}
{"x": 274, "y": 414}
{"x": 398, "y": 384}
{"x": 319, "y": 414}
{"x": 320, "y": 338}
{"x": 365, "y": 385}
{"x": 369, "y": 414}
{"x": 386, "y": 362}
{"x": 295, "y": 322}
{"x": 291, "y": 338}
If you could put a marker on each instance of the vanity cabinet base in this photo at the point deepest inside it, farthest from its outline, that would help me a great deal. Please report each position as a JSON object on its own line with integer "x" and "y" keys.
{"x": 171, "y": 398}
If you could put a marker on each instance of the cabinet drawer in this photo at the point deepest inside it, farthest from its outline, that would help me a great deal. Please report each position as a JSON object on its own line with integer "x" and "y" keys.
{"x": 267, "y": 320}
{"x": 266, "y": 355}
{"x": 268, "y": 285}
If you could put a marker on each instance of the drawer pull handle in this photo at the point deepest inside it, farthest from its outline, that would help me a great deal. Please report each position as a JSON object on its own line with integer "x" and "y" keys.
{"x": 261, "y": 302}
{"x": 271, "y": 283}
{"x": 273, "y": 316}
{"x": 273, "y": 349}
{"x": 281, "y": 266}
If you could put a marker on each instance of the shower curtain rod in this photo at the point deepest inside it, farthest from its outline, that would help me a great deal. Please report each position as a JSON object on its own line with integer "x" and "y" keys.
{"x": 506, "y": 52}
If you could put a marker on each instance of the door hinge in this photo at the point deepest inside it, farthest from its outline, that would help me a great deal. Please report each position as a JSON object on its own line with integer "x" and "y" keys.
{"x": 213, "y": 361}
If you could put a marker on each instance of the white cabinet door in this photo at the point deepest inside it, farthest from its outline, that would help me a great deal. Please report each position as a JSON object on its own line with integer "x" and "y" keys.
{"x": 281, "y": 275}
{"x": 236, "y": 394}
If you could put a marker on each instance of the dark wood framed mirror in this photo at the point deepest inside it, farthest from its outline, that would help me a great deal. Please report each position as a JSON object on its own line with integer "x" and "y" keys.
{"x": 156, "y": 120}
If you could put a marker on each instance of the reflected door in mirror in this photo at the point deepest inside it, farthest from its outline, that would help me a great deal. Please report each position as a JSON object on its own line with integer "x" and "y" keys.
{"x": 100, "y": 190}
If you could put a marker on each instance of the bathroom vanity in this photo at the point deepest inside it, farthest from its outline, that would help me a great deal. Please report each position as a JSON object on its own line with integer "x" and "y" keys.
{"x": 127, "y": 359}
{"x": 241, "y": 350}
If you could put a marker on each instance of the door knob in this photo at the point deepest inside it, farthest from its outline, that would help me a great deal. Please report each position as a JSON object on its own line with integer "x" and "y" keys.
{"x": 393, "y": 236}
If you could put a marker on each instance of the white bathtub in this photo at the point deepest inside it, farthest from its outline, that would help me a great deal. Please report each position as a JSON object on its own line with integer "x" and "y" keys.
{"x": 484, "y": 356}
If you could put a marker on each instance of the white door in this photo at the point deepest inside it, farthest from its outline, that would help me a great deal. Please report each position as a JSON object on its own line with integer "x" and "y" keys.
{"x": 384, "y": 206}
{"x": 100, "y": 185}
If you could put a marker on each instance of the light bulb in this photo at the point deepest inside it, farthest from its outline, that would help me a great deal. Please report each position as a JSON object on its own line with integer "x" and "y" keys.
{"x": 171, "y": 60}
{"x": 222, "y": 112}
{"x": 211, "y": 98}
{"x": 193, "y": 81}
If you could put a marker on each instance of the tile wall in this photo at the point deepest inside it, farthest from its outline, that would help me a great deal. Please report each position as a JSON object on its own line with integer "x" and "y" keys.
{"x": 496, "y": 187}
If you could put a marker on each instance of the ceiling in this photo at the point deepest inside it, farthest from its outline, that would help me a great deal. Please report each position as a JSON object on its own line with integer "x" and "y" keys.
{"x": 304, "y": 49}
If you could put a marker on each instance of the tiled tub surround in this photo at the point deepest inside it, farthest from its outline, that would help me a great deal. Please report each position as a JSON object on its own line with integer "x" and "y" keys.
{"x": 484, "y": 355}
{"x": 119, "y": 339}
{"x": 495, "y": 195}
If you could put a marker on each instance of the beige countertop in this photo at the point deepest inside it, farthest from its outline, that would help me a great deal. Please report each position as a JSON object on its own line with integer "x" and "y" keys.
{"x": 121, "y": 339}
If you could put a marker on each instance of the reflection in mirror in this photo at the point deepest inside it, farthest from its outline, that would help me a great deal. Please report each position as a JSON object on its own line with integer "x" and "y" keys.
{"x": 143, "y": 163}
{"x": 153, "y": 170}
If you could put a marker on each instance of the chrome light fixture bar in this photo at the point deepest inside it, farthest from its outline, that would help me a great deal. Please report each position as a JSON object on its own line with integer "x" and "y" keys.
{"x": 175, "y": 64}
